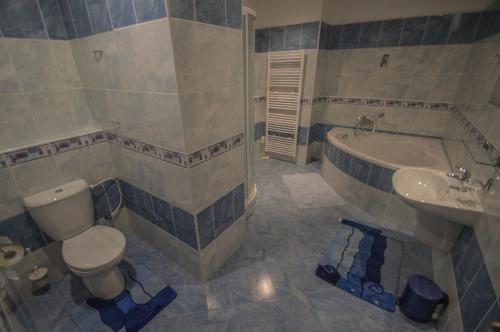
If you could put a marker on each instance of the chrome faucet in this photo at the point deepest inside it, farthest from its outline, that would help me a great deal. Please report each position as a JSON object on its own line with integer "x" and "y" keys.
{"x": 459, "y": 173}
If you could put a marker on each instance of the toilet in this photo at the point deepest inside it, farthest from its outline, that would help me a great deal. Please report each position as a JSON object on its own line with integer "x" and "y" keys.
{"x": 66, "y": 214}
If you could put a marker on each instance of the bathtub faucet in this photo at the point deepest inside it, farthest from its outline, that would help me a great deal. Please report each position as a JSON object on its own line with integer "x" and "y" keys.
{"x": 459, "y": 173}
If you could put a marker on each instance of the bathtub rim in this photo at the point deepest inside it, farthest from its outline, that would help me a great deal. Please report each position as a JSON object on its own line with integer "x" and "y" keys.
{"x": 330, "y": 138}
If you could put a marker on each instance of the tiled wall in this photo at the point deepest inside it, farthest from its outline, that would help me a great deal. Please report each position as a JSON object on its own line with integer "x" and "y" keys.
{"x": 472, "y": 141}
{"x": 290, "y": 37}
{"x": 428, "y": 30}
{"x": 69, "y": 19}
{"x": 41, "y": 94}
{"x": 23, "y": 229}
{"x": 426, "y": 58}
{"x": 167, "y": 92}
{"x": 197, "y": 231}
{"x": 478, "y": 300}
{"x": 373, "y": 175}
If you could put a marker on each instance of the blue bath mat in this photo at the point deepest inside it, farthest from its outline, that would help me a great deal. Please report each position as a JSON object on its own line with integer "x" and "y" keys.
{"x": 363, "y": 262}
{"x": 132, "y": 309}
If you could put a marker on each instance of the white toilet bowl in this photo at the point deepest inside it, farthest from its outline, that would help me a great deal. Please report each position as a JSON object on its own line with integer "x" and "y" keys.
{"x": 94, "y": 255}
{"x": 66, "y": 214}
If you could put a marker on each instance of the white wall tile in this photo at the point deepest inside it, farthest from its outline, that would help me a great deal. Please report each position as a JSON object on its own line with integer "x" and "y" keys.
{"x": 8, "y": 76}
{"x": 35, "y": 64}
{"x": 10, "y": 197}
{"x": 18, "y": 126}
{"x": 35, "y": 176}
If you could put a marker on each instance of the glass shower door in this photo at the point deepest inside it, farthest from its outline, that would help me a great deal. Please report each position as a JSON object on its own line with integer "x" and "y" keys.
{"x": 248, "y": 29}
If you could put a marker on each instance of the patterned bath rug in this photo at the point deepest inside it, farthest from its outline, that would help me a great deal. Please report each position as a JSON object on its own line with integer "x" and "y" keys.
{"x": 363, "y": 262}
{"x": 130, "y": 310}
{"x": 311, "y": 191}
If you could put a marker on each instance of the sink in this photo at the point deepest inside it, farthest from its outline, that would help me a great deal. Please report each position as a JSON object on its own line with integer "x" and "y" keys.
{"x": 434, "y": 192}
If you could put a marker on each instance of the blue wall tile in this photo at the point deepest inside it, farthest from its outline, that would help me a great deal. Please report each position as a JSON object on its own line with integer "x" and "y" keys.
{"x": 99, "y": 17}
{"x": 413, "y": 31}
{"x": 370, "y": 34}
{"x": 324, "y": 36}
{"x": 239, "y": 201}
{"x": 390, "y": 33}
{"x": 144, "y": 205}
{"x": 122, "y": 12}
{"x": 335, "y": 37}
{"x": 303, "y": 136}
{"x": 489, "y": 24}
{"x": 477, "y": 300}
{"x": 277, "y": 39}
{"x": 223, "y": 213}
{"x": 350, "y": 36}
{"x": 182, "y": 9}
{"x": 210, "y": 11}
{"x": 163, "y": 215}
{"x": 292, "y": 37}
{"x": 21, "y": 19}
{"x": 23, "y": 229}
{"x": 260, "y": 130}
{"x": 465, "y": 29}
{"x": 147, "y": 10}
{"x": 461, "y": 244}
{"x": 385, "y": 183}
{"x": 53, "y": 18}
{"x": 128, "y": 192}
{"x": 438, "y": 28}
{"x": 492, "y": 315}
{"x": 262, "y": 40}
{"x": 310, "y": 35}
{"x": 360, "y": 169}
{"x": 184, "y": 227}
{"x": 80, "y": 18}
{"x": 376, "y": 173}
{"x": 469, "y": 265}
{"x": 101, "y": 206}
{"x": 233, "y": 13}
{"x": 318, "y": 132}
{"x": 67, "y": 18}
{"x": 112, "y": 194}
{"x": 205, "y": 227}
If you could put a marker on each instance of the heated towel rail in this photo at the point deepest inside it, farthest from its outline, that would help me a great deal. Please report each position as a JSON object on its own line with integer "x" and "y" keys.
{"x": 284, "y": 90}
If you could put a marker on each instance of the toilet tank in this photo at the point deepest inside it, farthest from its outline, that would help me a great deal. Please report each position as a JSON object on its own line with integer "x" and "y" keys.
{"x": 63, "y": 211}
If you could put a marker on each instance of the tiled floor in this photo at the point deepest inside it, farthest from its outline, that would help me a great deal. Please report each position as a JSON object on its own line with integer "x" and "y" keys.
{"x": 269, "y": 285}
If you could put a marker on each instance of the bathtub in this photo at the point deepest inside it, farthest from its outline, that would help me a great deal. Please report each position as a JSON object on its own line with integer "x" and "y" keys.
{"x": 360, "y": 169}
{"x": 391, "y": 150}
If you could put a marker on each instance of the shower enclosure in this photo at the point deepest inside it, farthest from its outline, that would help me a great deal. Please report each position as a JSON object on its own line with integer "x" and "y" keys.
{"x": 248, "y": 33}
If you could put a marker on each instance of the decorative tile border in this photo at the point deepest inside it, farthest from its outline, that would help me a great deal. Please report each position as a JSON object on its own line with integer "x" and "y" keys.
{"x": 35, "y": 152}
{"x": 197, "y": 231}
{"x": 373, "y": 175}
{"x": 376, "y": 102}
{"x": 479, "y": 139}
{"x": 414, "y": 31}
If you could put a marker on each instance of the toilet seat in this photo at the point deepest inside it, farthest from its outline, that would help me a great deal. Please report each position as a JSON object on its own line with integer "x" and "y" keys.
{"x": 94, "y": 250}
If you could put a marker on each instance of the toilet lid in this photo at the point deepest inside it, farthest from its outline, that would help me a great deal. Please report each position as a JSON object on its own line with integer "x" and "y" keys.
{"x": 93, "y": 249}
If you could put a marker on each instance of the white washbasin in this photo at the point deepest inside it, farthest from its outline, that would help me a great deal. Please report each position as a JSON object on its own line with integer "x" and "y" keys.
{"x": 435, "y": 192}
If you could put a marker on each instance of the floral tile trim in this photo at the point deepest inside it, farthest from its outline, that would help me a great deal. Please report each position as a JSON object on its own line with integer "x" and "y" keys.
{"x": 178, "y": 158}
{"x": 479, "y": 139}
{"x": 377, "y": 102}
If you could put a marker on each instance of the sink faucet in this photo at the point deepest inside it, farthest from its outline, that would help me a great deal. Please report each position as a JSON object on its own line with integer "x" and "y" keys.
{"x": 459, "y": 173}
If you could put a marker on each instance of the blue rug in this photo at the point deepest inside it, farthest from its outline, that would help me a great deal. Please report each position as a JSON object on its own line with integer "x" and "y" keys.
{"x": 132, "y": 309}
{"x": 363, "y": 262}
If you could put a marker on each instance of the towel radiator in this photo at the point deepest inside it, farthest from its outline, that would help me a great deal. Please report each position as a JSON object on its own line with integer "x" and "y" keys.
{"x": 284, "y": 90}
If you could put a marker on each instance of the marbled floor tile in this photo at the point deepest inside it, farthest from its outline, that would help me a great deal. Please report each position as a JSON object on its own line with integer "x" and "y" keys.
{"x": 267, "y": 285}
